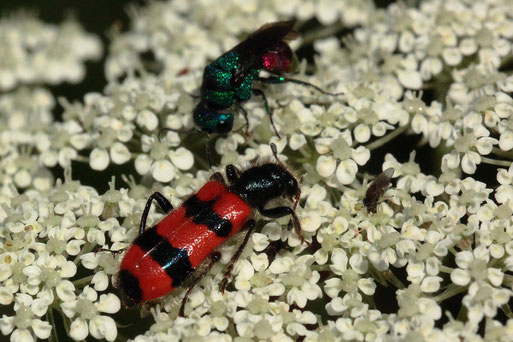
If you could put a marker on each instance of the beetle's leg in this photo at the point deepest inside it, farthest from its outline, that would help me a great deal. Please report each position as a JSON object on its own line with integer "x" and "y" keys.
{"x": 245, "y": 114}
{"x": 282, "y": 79}
{"x": 284, "y": 211}
{"x": 232, "y": 173}
{"x": 259, "y": 92}
{"x": 161, "y": 200}
{"x": 111, "y": 252}
{"x": 218, "y": 177}
{"x": 273, "y": 249}
{"x": 250, "y": 226}
{"x": 214, "y": 257}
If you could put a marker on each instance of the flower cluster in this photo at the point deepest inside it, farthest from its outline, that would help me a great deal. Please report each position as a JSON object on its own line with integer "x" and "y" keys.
{"x": 34, "y": 52}
{"x": 430, "y": 259}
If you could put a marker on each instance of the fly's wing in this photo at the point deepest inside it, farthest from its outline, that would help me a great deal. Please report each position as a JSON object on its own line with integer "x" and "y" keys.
{"x": 262, "y": 40}
{"x": 378, "y": 187}
{"x": 382, "y": 181}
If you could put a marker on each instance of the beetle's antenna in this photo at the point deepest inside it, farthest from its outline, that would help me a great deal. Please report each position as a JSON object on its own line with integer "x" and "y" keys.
{"x": 296, "y": 198}
{"x": 275, "y": 153}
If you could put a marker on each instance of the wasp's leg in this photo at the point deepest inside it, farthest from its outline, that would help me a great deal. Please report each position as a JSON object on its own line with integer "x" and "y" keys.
{"x": 284, "y": 211}
{"x": 214, "y": 257}
{"x": 208, "y": 151}
{"x": 260, "y": 92}
{"x": 162, "y": 201}
{"x": 250, "y": 226}
{"x": 245, "y": 115}
{"x": 184, "y": 131}
{"x": 282, "y": 79}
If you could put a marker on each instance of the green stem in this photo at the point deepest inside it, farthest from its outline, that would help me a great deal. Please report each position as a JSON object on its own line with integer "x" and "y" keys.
{"x": 383, "y": 140}
{"x": 507, "y": 310}
{"x": 496, "y": 162}
{"x": 395, "y": 281}
{"x": 67, "y": 322}
{"x": 452, "y": 290}
{"x": 320, "y": 268}
{"x": 499, "y": 152}
{"x": 53, "y": 336}
{"x": 121, "y": 337}
{"x": 508, "y": 280}
{"x": 445, "y": 269}
{"x": 83, "y": 281}
{"x": 87, "y": 248}
{"x": 82, "y": 159}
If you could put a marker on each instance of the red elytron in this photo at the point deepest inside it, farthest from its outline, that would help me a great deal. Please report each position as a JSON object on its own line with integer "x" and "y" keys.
{"x": 165, "y": 255}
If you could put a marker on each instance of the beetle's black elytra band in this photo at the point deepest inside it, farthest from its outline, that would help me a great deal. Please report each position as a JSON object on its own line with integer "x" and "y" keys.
{"x": 130, "y": 285}
{"x": 149, "y": 239}
{"x": 175, "y": 261}
{"x": 202, "y": 212}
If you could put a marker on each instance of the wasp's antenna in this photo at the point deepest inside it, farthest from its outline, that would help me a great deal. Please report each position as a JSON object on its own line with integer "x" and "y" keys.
{"x": 283, "y": 79}
{"x": 188, "y": 131}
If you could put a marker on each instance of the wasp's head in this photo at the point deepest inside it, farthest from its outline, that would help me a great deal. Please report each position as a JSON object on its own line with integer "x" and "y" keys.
{"x": 280, "y": 59}
{"x": 210, "y": 121}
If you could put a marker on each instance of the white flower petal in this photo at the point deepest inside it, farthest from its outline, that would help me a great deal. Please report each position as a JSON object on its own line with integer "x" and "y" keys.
{"x": 182, "y": 158}
{"x": 360, "y": 155}
{"x": 163, "y": 171}
{"x": 41, "y": 328}
{"x": 21, "y": 335}
{"x": 410, "y": 79}
{"x": 362, "y": 133}
{"x": 66, "y": 291}
{"x": 346, "y": 171}
{"x": 460, "y": 277}
{"x": 78, "y": 329}
{"x": 98, "y": 159}
{"x": 326, "y": 165}
{"x": 119, "y": 153}
{"x": 100, "y": 281}
{"x": 143, "y": 164}
{"x": 109, "y": 303}
{"x": 297, "y": 141}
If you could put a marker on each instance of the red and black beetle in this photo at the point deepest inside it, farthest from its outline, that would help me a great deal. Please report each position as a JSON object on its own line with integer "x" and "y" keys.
{"x": 163, "y": 256}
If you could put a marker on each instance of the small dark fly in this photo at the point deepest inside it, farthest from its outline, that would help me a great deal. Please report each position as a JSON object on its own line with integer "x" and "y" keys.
{"x": 376, "y": 189}
{"x": 228, "y": 81}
